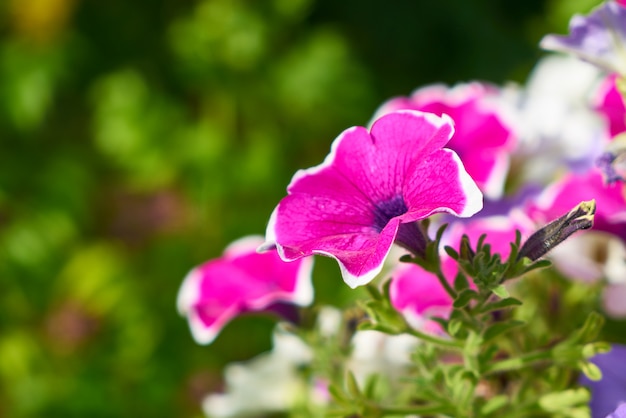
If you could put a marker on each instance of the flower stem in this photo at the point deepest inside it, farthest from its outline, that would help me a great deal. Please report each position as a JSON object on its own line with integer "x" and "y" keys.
{"x": 517, "y": 363}
{"x": 417, "y": 410}
{"x": 435, "y": 340}
{"x": 446, "y": 285}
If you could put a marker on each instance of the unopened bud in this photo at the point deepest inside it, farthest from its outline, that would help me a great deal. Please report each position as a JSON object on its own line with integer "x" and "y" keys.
{"x": 466, "y": 251}
{"x": 551, "y": 235}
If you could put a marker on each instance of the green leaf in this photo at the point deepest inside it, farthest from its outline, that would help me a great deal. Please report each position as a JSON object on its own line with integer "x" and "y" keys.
{"x": 460, "y": 282}
{"x": 338, "y": 395}
{"x": 590, "y": 329}
{"x": 454, "y": 326}
{"x": 599, "y": 347}
{"x": 493, "y": 404}
{"x": 352, "y": 385}
{"x": 539, "y": 264}
{"x": 464, "y": 298}
{"x": 557, "y": 401}
{"x": 386, "y": 290}
{"x": 370, "y": 326}
{"x": 590, "y": 370}
{"x": 500, "y": 328}
{"x": 441, "y": 321}
{"x": 488, "y": 353}
{"x": 370, "y": 386}
{"x": 501, "y": 304}
{"x": 374, "y": 292}
{"x": 501, "y": 291}
{"x": 451, "y": 252}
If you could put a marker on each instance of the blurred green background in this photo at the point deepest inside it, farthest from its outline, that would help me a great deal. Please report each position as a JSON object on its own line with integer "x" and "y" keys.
{"x": 140, "y": 137}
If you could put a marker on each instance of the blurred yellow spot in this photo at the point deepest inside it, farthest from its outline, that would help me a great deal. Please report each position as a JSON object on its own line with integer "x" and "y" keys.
{"x": 40, "y": 20}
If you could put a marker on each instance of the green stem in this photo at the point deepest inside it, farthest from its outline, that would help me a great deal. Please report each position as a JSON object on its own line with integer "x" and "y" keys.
{"x": 445, "y": 284}
{"x": 435, "y": 340}
{"x": 484, "y": 298}
{"x": 517, "y": 363}
{"x": 416, "y": 410}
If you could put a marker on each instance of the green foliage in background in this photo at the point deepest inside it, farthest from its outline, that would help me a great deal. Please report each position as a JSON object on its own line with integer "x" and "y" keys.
{"x": 138, "y": 138}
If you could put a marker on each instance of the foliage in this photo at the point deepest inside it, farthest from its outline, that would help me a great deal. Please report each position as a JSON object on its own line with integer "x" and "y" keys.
{"x": 138, "y": 138}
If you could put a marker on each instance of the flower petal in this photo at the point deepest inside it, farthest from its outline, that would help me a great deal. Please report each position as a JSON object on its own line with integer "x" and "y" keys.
{"x": 482, "y": 139}
{"x": 215, "y": 292}
{"x": 350, "y": 207}
{"x": 419, "y": 296}
{"x": 599, "y": 38}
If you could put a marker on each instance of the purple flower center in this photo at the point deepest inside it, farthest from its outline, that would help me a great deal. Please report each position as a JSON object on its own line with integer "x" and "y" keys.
{"x": 409, "y": 235}
{"x": 388, "y": 209}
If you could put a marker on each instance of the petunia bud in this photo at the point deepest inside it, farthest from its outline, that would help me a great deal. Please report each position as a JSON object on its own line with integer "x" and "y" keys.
{"x": 551, "y": 235}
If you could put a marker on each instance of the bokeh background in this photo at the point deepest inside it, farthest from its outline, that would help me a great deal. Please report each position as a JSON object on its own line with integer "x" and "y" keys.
{"x": 140, "y": 137}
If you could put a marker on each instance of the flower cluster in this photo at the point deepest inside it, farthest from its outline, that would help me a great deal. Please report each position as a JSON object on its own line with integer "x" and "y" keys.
{"x": 474, "y": 186}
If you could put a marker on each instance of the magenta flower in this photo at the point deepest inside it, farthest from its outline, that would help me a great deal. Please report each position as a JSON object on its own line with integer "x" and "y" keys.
{"x": 611, "y": 106}
{"x": 482, "y": 138}
{"x": 571, "y": 189}
{"x": 418, "y": 295}
{"x": 241, "y": 280}
{"x": 599, "y": 38}
{"x": 370, "y": 191}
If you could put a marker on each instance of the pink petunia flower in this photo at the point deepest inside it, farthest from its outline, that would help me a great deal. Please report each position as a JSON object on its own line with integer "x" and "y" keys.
{"x": 611, "y": 105}
{"x": 571, "y": 189}
{"x": 418, "y": 295}
{"x": 599, "y": 254}
{"x": 599, "y": 38}
{"x": 241, "y": 280}
{"x": 370, "y": 191}
{"x": 482, "y": 138}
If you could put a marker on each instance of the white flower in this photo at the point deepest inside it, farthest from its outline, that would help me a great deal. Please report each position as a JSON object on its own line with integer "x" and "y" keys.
{"x": 268, "y": 383}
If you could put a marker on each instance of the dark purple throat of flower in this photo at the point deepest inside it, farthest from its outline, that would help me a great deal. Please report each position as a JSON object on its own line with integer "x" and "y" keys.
{"x": 409, "y": 235}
